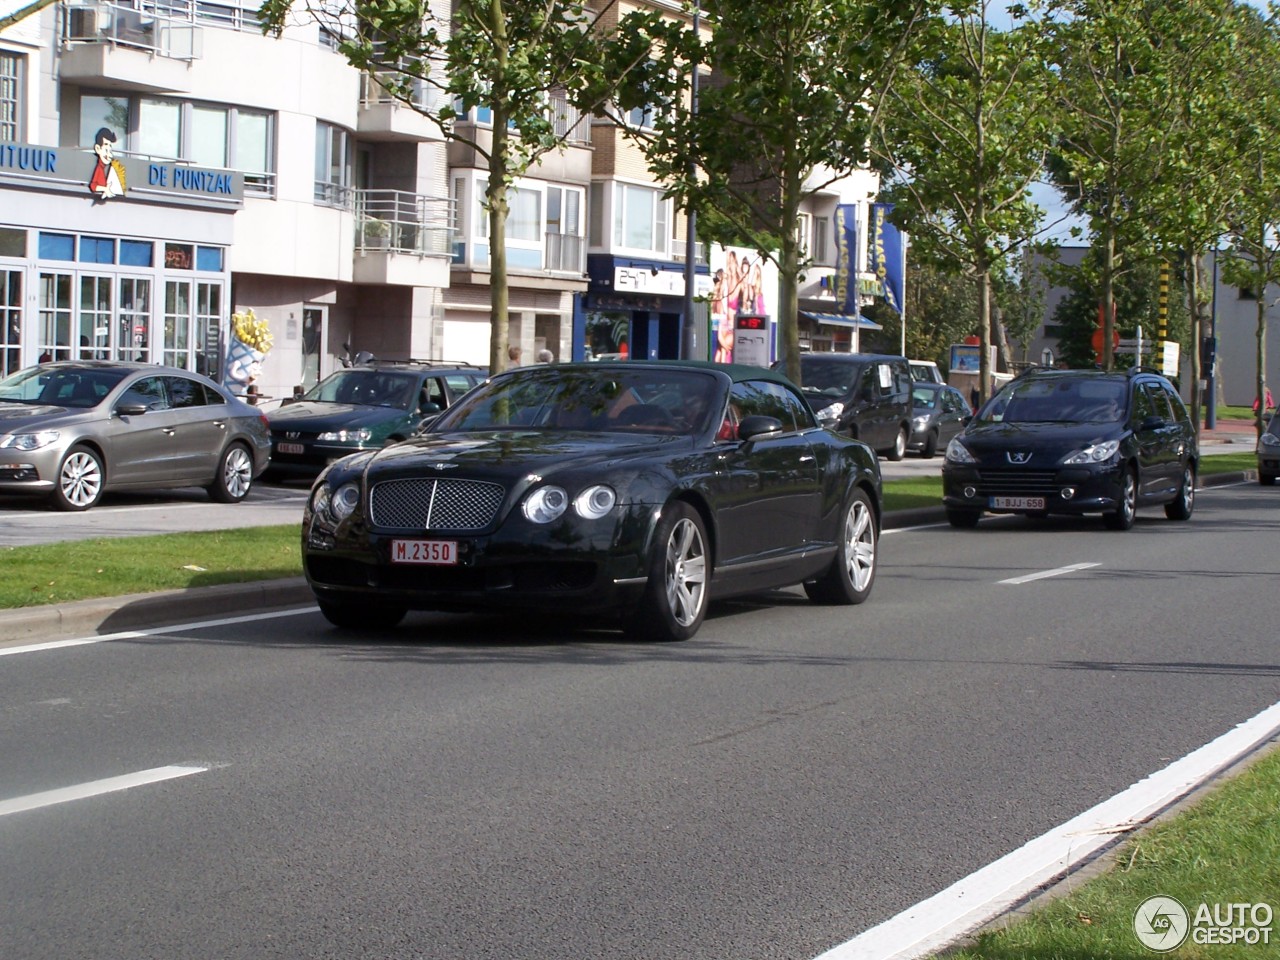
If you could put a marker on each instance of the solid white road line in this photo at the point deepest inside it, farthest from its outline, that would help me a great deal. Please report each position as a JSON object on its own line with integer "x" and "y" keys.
{"x": 936, "y": 923}
{"x": 1050, "y": 573}
{"x": 154, "y": 631}
{"x": 48, "y": 798}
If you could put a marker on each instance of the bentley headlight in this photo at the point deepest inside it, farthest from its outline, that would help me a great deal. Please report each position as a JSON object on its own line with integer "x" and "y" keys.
{"x": 1095, "y": 453}
{"x": 344, "y": 501}
{"x": 957, "y": 452}
{"x": 594, "y": 502}
{"x": 545, "y": 504}
{"x": 28, "y": 441}
{"x": 360, "y": 435}
{"x": 831, "y": 411}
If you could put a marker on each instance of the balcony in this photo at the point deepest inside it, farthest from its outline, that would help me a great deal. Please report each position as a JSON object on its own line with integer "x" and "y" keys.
{"x": 385, "y": 117}
{"x": 117, "y": 46}
{"x": 402, "y": 238}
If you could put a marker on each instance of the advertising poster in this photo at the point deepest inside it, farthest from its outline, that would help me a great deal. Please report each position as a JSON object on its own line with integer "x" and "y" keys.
{"x": 742, "y": 284}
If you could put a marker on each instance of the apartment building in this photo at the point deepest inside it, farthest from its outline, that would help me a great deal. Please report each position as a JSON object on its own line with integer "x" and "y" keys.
{"x": 163, "y": 166}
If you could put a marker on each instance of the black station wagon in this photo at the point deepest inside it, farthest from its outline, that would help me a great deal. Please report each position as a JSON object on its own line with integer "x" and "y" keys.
{"x": 1075, "y": 442}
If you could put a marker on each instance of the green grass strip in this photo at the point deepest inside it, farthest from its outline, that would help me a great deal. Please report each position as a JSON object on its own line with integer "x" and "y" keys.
{"x": 1223, "y": 850}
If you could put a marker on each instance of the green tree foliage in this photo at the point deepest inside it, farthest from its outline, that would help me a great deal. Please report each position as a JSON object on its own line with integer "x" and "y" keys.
{"x": 787, "y": 110}
{"x": 510, "y": 56}
{"x": 1253, "y": 260}
{"x": 965, "y": 133}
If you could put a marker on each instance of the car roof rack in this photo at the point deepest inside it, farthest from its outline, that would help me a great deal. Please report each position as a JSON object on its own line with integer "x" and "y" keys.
{"x": 430, "y": 363}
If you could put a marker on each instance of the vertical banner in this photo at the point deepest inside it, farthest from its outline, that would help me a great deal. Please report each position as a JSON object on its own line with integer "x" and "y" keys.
{"x": 846, "y": 251}
{"x": 888, "y": 255}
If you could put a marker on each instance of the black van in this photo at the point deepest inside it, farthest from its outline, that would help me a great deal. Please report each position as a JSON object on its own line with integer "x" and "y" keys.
{"x": 866, "y": 396}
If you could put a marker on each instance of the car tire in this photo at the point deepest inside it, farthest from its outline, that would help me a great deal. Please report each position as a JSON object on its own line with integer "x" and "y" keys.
{"x": 81, "y": 480}
{"x": 963, "y": 519}
{"x": 899, "y": 448}
{"x": 1183, "y": 505}
{"x": 675, "y": 599}
{"x": 1122, "y": 517}
{"x": 235, "y": 475}
{"x": 930, "y": 445}
{"x": 1267, "y": 479}
{"x": 354, "y": 616}
{"x": 853, "y": 570}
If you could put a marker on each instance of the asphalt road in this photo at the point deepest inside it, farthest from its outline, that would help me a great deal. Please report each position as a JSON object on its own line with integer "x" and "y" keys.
{"x": 467, "y": 787}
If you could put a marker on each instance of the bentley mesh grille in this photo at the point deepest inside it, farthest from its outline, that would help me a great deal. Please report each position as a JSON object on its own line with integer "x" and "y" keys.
{"x": 435, "y": 504}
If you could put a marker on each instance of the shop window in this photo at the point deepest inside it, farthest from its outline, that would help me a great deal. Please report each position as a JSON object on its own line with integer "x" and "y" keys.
{"x": 178, "y": 256}
{"x": 97, "y": 250}
{"x": 57, "y": 246}
{"x": 13, "y": 243}
{"x": 136, "y": 253}
{"x": 10, "y": 321}
{"x": 209, "y": 259}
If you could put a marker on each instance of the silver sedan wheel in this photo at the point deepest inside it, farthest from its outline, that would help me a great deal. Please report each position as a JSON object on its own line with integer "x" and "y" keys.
{"x": 686, "y": 572}
{"x": 860, "y": 544}
{"x": 237, "y": 472}
{"x": 80, "y": 480}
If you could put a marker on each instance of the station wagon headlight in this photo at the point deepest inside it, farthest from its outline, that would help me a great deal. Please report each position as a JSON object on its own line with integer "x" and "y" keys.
{"x": 1095, "y": 453}
{"x": 957, "y": 452}
{"x": 546, "y": 504}
{"x": 360, "y": 435}
{"x": 28, "y": 441}
{"x": 1268, "y": 440}
{"x": 594, "y": 502}
{"x": 919, "y": 423}
{"x": 831, "y": 411}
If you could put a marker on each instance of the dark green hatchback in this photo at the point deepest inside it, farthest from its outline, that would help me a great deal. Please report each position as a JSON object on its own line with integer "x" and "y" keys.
{"x": 362, "y": 408}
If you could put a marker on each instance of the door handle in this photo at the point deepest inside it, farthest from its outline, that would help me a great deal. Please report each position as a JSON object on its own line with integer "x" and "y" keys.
{"x": 169, "y": 430}
{"x": 807, "y": 458}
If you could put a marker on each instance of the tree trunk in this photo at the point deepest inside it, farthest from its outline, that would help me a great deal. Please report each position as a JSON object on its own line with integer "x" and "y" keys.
{"x": 496, "y": 195}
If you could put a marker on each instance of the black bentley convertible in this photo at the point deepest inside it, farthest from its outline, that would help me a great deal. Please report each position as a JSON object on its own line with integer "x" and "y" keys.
{"x": 638, "y": 490}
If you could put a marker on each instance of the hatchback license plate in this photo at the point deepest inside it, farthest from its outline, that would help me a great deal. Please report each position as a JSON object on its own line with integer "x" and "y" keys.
{"x": 437, "y": 552}
{"x": 296, "y": 449}
{"x": 1017, "y": 503}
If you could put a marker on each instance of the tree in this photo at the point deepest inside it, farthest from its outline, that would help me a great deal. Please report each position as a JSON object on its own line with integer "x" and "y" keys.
{"x": 941, "y": 306}
{"x": 1253, "y": 261}
{"x": 509, "y": 56}
{"x": 787, "y": 112}
{"x": 965, "y": 134}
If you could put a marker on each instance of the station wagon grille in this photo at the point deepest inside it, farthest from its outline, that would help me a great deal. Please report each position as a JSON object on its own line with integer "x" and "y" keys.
{"x": 1016, "y": 483}
{"x": 428, "y": 504}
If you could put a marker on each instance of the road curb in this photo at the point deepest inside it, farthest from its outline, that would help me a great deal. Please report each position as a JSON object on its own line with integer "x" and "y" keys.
{"x": 141, "y": 611}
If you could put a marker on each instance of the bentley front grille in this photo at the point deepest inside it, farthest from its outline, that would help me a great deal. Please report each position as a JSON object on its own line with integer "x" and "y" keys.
{"x": 428, "y": 504}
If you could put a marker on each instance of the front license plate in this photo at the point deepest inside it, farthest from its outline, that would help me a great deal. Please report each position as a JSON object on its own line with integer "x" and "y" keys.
{"x": 296, "y": 449}
{"x": 1017, "y": 503}
{"x": 438, "y": 552}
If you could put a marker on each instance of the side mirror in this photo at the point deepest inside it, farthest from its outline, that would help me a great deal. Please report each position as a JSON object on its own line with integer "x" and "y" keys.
{"x": 429, "y": 409}
{"x": 131, "y": 409}
{"x": 298, "y": 392}
{"x": 756, "y": 426}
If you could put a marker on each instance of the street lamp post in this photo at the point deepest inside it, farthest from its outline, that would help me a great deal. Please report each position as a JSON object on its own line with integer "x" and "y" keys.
{"x": 689, "y": 333}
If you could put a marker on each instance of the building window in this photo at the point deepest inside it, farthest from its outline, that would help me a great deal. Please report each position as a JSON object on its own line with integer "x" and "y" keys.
{"x": 97, "y": 250}
{"x": 639, "y": 218}
{"x": 334, "y": 152}
{"x": 136, "y": 253}
{"x": 13, "y": 242}
{"x": 205, "y": 134}
{"x": 10, "y": 321}
{"x": 57, "y": 246}
{"x": 11, "y": 77}
{"x": 821, "y": 230}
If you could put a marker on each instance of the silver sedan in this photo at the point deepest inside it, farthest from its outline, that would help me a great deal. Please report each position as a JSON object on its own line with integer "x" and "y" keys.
{"x": 73, "y": 430}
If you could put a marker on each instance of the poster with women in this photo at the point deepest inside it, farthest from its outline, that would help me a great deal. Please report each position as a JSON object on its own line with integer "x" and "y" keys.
{"x": 742, "y": 282}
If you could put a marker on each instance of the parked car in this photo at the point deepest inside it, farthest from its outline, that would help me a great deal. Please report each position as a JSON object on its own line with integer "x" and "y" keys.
{"x": 926, "y": 371}
{"x": 1269, "y": 452}
{"x": 73, "y": 430}
{"x": 362, "y": 407}
{"x": 865, "y": 396}
{"x": 635, "y": 489}
{"x": 1075, "y": 442}
{"x": 938, "y": 413}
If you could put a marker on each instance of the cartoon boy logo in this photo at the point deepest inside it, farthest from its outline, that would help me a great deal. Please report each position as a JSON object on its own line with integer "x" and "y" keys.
{"x": 107, "y": 180}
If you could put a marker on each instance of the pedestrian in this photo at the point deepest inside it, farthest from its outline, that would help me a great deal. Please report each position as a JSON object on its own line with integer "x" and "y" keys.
{"x": 546, "y": 356}
{"x": 513, "y": 356}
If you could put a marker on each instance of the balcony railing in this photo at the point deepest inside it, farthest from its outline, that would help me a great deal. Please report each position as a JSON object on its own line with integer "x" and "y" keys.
{"x": 422, "y": 96}
{"x": 123, "y": 25}
{"x": 566, "y": 253}
{"x": 402, "y": 222}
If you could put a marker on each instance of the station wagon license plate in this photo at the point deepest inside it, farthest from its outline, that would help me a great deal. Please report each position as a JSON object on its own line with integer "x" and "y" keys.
{"x": 1017, "y": 503}
{"x": 437, "y": 552}
{"x": 295, "y": 449}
